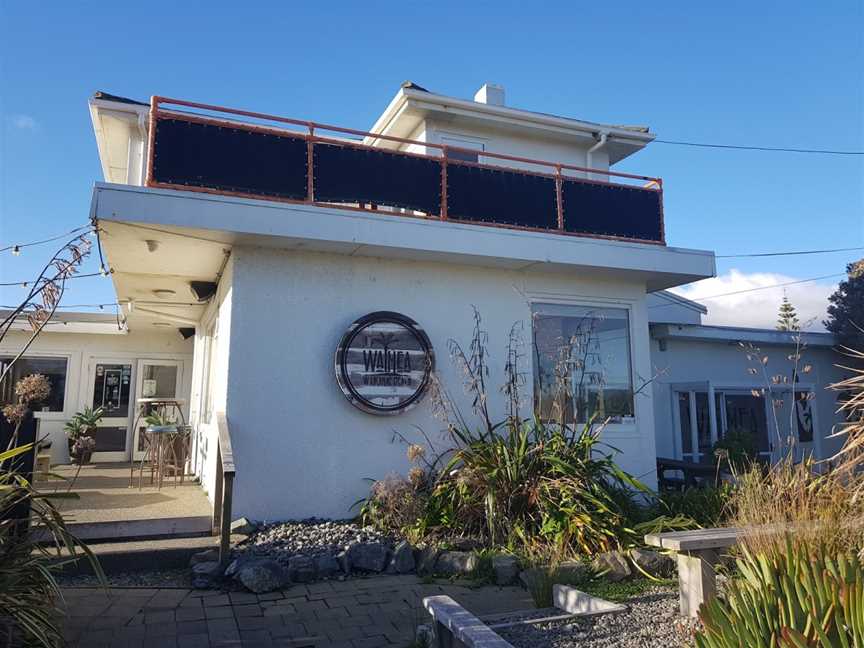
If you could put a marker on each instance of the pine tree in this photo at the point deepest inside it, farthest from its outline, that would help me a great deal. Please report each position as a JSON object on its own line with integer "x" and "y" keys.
{"x": 846, "y": 310}
{"x": 787, "y": 318}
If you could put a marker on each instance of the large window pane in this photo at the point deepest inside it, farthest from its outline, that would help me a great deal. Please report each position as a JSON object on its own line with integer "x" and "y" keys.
{"x": 582, "y": 362}
{"x": 52, "y": 368}
{"x": 703, "y": 426}
{"x": 684, "y": 424}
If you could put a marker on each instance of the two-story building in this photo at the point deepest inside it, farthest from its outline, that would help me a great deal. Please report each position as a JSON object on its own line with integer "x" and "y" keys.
{"x": 325, "y": 271}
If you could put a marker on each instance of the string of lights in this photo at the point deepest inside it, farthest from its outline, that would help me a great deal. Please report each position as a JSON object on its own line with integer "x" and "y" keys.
{"x": 17, "y": 247}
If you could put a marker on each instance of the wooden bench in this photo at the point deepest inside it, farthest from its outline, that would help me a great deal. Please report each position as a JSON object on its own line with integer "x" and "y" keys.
{"x": 696, "y": 554}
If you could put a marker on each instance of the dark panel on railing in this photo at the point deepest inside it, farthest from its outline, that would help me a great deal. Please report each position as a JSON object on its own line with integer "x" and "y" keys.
{"x": 346, "y": 174}
{"x": 229, "y": 159}
{"x": 499, "y": 196}
{"x": 612, "y": 210}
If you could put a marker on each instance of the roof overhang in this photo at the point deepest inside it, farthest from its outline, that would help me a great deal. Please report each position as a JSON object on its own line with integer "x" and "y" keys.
{"x": 116, "y": 123}
{"x": 410, "y": 107}
{"x": 70, "y": 322}
{"x": 734, "y": 335}
{"x": 193, "y": 231}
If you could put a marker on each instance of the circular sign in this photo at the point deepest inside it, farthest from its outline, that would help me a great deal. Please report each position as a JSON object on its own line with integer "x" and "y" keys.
{"x": 384, "y": 363}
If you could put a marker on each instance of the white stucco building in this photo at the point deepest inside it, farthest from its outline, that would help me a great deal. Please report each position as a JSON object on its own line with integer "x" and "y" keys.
{"x": 291, "y": 231}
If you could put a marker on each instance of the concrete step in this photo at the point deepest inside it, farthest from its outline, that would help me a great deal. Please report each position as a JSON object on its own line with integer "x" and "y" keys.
{"x": 146, "y": 529}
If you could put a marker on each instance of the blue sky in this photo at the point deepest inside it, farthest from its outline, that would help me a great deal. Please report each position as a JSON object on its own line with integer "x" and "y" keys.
{"x": 786, "y": 74}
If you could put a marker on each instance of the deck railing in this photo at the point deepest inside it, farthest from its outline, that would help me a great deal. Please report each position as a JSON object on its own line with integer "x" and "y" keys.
{"x": 224, "y": 494}
{"x": 200, "y": 147}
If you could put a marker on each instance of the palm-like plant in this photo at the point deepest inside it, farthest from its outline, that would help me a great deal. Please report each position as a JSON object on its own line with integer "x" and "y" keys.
{"x": 28, "y": 589}
{"x": 89, "y": 418}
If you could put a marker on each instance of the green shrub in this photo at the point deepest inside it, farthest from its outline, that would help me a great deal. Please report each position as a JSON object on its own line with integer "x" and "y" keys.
{"x": 707, "y": 507}
{"x": 788, "y": 599}
{"x": 28, "y": 590}
{"x": 736, "y": 450}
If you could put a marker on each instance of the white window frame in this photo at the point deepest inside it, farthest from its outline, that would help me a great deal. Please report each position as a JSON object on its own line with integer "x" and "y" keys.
{"x": 447, "y": 138}
{"x": 68, "y": 406}
{"x": 627, "y": 424}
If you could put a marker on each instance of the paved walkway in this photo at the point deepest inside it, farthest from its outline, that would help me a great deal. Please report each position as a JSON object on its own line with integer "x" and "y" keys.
{"x": 361, "y": 613}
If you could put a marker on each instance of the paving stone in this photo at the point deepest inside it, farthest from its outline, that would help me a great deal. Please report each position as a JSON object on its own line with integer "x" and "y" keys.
{"x": 189, "y": 614}
{"x": 252, "y": 610}
{"x": 162, "y": 630}
{"x": 193, "y": 641}
{"x": 192, "y": 627}
{"x": 224, "y": 612}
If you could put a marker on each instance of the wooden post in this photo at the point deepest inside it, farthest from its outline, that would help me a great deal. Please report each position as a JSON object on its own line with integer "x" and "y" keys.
{"x": 697, "y": 581}
{"x": 225, "y": 531}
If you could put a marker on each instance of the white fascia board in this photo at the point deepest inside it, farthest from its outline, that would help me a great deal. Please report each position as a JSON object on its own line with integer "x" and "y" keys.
{"x": 732, "y": 334}
{"x": 503, "y": 115}
{"x": 99, "y": 108}
{"x": 97, "y": 328}
{"x": 682, "y": 301}
{"x": 284, "y": 225}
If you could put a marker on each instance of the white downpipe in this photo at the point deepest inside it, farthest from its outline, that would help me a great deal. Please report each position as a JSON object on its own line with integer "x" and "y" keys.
{"x": 604, "y": 137}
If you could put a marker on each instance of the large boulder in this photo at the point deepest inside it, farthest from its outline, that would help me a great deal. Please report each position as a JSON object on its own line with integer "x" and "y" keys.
{"x": 301, "y": 569}
{"x": 244, "y": 526}
{"x": 326, "y": 565}
{"x": 425, "y": 560}
{"x": 506, "y": 569}
{"x": 206, "y": 574}
{"x": 368, "y": 556}
{"x": 208, "y": 555}
{"x": 262, "y": 575}
{"x": 613, "y": 565}
{"x": 652, "y": 562}
{"x": 402, "y": 561}
{"x": 455, "y": 563}
{"x": 344, "y": 561}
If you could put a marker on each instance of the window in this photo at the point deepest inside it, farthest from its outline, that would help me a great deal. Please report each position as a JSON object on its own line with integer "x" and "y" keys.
{"x": 464, "y": 156}
{"x": 52, "y": 368}
{"x": 582, "y": 362}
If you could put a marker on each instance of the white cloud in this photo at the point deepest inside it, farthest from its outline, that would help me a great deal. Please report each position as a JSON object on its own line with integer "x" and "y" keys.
{"x": 758, "y": 308}
{"x": 24, "y": 122}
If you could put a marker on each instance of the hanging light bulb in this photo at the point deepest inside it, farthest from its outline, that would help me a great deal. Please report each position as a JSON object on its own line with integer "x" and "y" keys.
{"x": 16, "y": 250}
{"x": 103, "y": 271}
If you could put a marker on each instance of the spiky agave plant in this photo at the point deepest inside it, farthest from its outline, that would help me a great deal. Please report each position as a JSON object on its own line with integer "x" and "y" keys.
{"x": 30, "y": 554}
{"x": 789, "y": 598}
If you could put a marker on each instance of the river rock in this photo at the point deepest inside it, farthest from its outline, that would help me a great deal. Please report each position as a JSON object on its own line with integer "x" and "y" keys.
{"x": 206, "y": 574}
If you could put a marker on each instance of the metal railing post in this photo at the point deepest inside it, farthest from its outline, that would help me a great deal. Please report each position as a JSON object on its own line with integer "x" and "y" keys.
{"x": 310, "y": 168}
{"x": 225, "y": 528}
{"x": 559, "y": 193}
{"x": 443, "y": 209}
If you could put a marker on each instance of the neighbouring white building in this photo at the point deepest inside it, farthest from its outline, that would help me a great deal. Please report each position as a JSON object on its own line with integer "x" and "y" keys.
{"x": 324, "y": 272}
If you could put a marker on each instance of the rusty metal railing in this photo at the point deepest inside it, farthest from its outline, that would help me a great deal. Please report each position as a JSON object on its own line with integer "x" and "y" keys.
{"x": 312, "y": 133}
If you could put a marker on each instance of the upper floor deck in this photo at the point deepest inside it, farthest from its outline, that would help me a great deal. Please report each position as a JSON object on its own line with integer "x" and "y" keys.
{"x": 200, "y": 147}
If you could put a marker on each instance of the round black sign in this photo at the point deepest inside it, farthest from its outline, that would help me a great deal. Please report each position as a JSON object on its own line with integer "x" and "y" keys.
{"x": 384, "y": 362}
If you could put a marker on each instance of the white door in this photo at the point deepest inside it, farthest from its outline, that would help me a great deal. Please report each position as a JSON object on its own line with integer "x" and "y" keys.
{"x": 110, "y": 389}
{"x": 155, "y": 379}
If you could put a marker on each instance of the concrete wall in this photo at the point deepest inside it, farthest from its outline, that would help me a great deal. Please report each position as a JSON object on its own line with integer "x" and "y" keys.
{"x": 80, "y": 350}
{"x": 725, "y": 364}
{"x": 301, "y": 448}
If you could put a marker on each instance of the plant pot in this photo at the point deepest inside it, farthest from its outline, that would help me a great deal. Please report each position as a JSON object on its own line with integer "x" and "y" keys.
{"x": 84, "y": 459}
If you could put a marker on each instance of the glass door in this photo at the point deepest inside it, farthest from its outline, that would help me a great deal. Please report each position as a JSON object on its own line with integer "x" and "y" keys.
{"x": 156, "y": 379}
{"x": 746, "y": 413}
{"x": 111, "y": 383}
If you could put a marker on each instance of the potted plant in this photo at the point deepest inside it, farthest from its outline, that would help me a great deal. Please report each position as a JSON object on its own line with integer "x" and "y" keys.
{"x": 82, "y": 450}
{"x": 82, "y": 426}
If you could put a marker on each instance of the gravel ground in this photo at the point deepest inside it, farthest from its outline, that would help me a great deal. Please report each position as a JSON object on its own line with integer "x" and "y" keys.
{"x": 652, "y": 621}
{"x": 156, "y": 578}
{"x": 282, "y": 540}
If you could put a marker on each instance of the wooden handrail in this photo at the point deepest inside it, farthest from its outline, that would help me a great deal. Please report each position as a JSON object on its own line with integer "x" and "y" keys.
{"x": 224, "y": 495}
{"x": 225, "y": 443}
